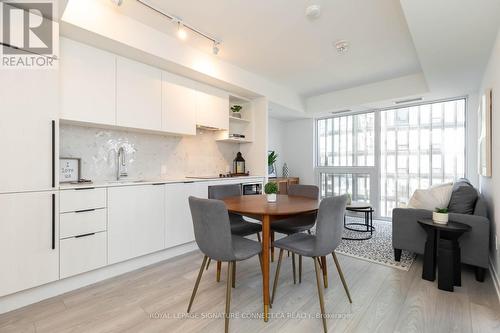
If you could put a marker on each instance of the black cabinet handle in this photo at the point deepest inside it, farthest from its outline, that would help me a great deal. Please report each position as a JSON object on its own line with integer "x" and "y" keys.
{"x": 53, "y": 153}
{"x": 85, "y": 188}
{"x": 84, "y": 210}
{"x": 53, "y": 221}
{"x": 85, "y": 235}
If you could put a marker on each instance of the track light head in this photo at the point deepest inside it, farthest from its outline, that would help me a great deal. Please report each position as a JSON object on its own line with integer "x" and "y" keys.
{"x": 215, "y": 48}
{"x": 181, "y": 32}
{"x": 117, "y": 2}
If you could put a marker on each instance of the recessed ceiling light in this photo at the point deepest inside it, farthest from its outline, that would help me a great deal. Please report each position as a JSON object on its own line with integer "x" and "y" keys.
{"x": 313, "y": 12}
{"x": 342, "y": 46}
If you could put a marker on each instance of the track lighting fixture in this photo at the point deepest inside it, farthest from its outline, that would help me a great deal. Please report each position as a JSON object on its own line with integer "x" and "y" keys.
{"x": 182, "y": 27}
{"x": 181, "y": 32}
{"x": 215, "y": 48}
{"x": 117, "y": 2}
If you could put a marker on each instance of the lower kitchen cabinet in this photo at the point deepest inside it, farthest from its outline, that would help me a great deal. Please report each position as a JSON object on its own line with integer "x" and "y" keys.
{"x": 136, "y": 221}
{"x": 83, "y": 253}
{"x": 29, "y": 247}
{"x": 179, "y": 225}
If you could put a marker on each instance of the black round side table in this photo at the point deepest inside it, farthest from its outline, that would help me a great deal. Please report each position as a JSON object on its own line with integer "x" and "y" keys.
{"x": 442, "y": 243}
{"x": 367, "y": 226}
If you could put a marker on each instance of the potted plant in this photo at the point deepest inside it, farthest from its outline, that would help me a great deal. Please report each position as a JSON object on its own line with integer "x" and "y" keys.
{"x": 271, "y": 160}
{"x": 236, "y": 110}
{"x": 271, "y": 190}
{"x": 440, "y": 216}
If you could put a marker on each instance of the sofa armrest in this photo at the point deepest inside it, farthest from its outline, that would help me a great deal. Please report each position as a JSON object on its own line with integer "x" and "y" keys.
{"x": 474, "y": 244}
{"x": 407, "y": 234}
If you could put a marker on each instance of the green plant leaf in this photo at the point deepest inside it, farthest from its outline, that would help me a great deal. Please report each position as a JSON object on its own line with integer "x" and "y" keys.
{"x": 271, "y": 188}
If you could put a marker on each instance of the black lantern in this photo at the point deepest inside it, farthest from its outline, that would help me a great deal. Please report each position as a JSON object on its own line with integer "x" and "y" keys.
{"x": 239, "y": 164}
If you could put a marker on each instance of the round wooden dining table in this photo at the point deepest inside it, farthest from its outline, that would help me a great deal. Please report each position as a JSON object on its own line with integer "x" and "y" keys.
{"x": 256, "y": 206}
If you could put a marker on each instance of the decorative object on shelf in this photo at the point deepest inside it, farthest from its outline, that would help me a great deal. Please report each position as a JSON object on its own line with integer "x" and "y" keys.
{"x": 239, "y": 164}
{"x": 69, "y": 169}
{"x": 440, "y": 216}
{"x": 286, "y": 172}
{"x": 237, "y": 136}
{"x": 484, "y": 114}
{"x": 271, "y": 163}
{"x": 236, "y": 111}
{"x": 271, "y": 190}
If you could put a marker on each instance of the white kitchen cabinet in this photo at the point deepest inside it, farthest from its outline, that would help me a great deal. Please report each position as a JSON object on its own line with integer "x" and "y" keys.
{"x": 29, "y": 250}
{"x": 136, "y": 221}
{"x": 178, "y": 109}
{"x": 179, "y": 225}
{"x": 212, "y": 109}
{"x": 82, "y": 253}
{"x": 28, "y": 129}
{"x": 138, "y": 95}
{"x": 88, "y": 83}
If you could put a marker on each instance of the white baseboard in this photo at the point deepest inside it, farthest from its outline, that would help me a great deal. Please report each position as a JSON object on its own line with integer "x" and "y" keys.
{"x": 37, "y": 294}
{"x": 496, "y": 278}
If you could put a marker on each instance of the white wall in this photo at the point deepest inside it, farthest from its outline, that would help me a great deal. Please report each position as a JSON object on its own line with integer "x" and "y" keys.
{"x": 490, "y": 187}
{"x": 298, "y": 146}
{"x": 277, "y": 142}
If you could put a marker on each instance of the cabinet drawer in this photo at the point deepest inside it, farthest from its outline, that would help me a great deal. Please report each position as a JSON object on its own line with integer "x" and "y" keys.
{"x": 82, "y": 254}
{"x": 82, "y": 222}
{"x": 75, "y": 200}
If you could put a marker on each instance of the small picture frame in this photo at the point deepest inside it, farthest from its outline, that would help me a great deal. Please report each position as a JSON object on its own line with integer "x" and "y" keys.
{"x": 69, "y": 169}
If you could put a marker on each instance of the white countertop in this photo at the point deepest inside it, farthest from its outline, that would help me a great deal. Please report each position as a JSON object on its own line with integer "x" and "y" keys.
{"x": 132, "y": 182}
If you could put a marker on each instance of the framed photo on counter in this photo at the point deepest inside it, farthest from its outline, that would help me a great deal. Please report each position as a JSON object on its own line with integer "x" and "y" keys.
{"x": 69, "y": 169}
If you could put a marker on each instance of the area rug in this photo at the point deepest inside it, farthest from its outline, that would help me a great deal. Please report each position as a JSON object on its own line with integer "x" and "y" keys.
{"x": 378, "y": 249}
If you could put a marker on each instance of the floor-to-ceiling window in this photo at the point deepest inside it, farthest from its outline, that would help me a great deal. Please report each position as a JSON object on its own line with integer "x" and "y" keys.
{"x": 381, "y": 157}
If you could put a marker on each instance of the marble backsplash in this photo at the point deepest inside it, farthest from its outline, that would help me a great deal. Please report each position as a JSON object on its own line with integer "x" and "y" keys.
{"x": 148, "y": 156}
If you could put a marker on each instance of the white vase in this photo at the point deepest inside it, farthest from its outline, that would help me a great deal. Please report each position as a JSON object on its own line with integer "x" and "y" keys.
{"x": 271, "y": 197}
{"x": 440, "y": 218}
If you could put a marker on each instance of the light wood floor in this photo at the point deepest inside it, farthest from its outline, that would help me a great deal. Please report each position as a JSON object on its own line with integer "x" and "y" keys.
{"x": 384, "y": 300}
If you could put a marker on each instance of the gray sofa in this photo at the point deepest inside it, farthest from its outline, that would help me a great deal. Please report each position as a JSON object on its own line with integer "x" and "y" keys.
{"x": 407, "y": 234}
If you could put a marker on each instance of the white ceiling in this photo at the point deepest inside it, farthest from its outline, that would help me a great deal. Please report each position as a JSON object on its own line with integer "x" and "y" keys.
{"x": 276, "y": 40}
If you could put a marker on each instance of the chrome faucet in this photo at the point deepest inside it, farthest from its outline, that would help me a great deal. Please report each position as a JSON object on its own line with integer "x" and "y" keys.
{"x": 121, "y": 164}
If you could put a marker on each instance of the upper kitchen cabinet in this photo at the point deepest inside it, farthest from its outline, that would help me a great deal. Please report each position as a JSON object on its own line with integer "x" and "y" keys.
{"x": 138, "y": 95}
{"x": 87, "y": 83}
{"x": 212, "y": 109}
{"x": 178, "y": 108}
{"x": 28, "y": 129}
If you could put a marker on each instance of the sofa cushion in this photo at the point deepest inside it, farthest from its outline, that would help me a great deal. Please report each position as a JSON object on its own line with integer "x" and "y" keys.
{"x": 463, "y": 198}
{"x": 435, "y": 197}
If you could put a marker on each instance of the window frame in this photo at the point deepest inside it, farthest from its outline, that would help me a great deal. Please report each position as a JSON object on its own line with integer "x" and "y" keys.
{"x": 374, "y": 171}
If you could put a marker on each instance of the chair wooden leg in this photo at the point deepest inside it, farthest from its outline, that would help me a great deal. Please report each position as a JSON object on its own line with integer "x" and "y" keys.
{"x": 325, "y": 271}
{"x": 300, "y": 269}
{"x": 208, "y": 263}
{"x": 219, "y": 268}
{"x": 341, "y": 276}
{"x": 293, "y": 268}
{"x": 260, "y": 262}
{"x": 276, "y": 276}
{"x": 258, "y": 237}
{"x": 272, "y": 246}
{"x": 233, "y": 280}
{"x": 200, "y": 273}
{"x": 320, "y": 294}
{"x": 230, "y": 269}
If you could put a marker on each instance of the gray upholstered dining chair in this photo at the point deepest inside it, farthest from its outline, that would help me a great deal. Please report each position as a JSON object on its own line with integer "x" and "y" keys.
{"x": 329, "y": 226}
{"x": 297, "y": 224}
{"x": 212, "y": 233}
{"x": 239, "y": 226}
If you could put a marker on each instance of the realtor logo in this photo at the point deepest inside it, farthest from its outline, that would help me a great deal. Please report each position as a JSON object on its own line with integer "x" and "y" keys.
{"x": 27, "y": 34}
